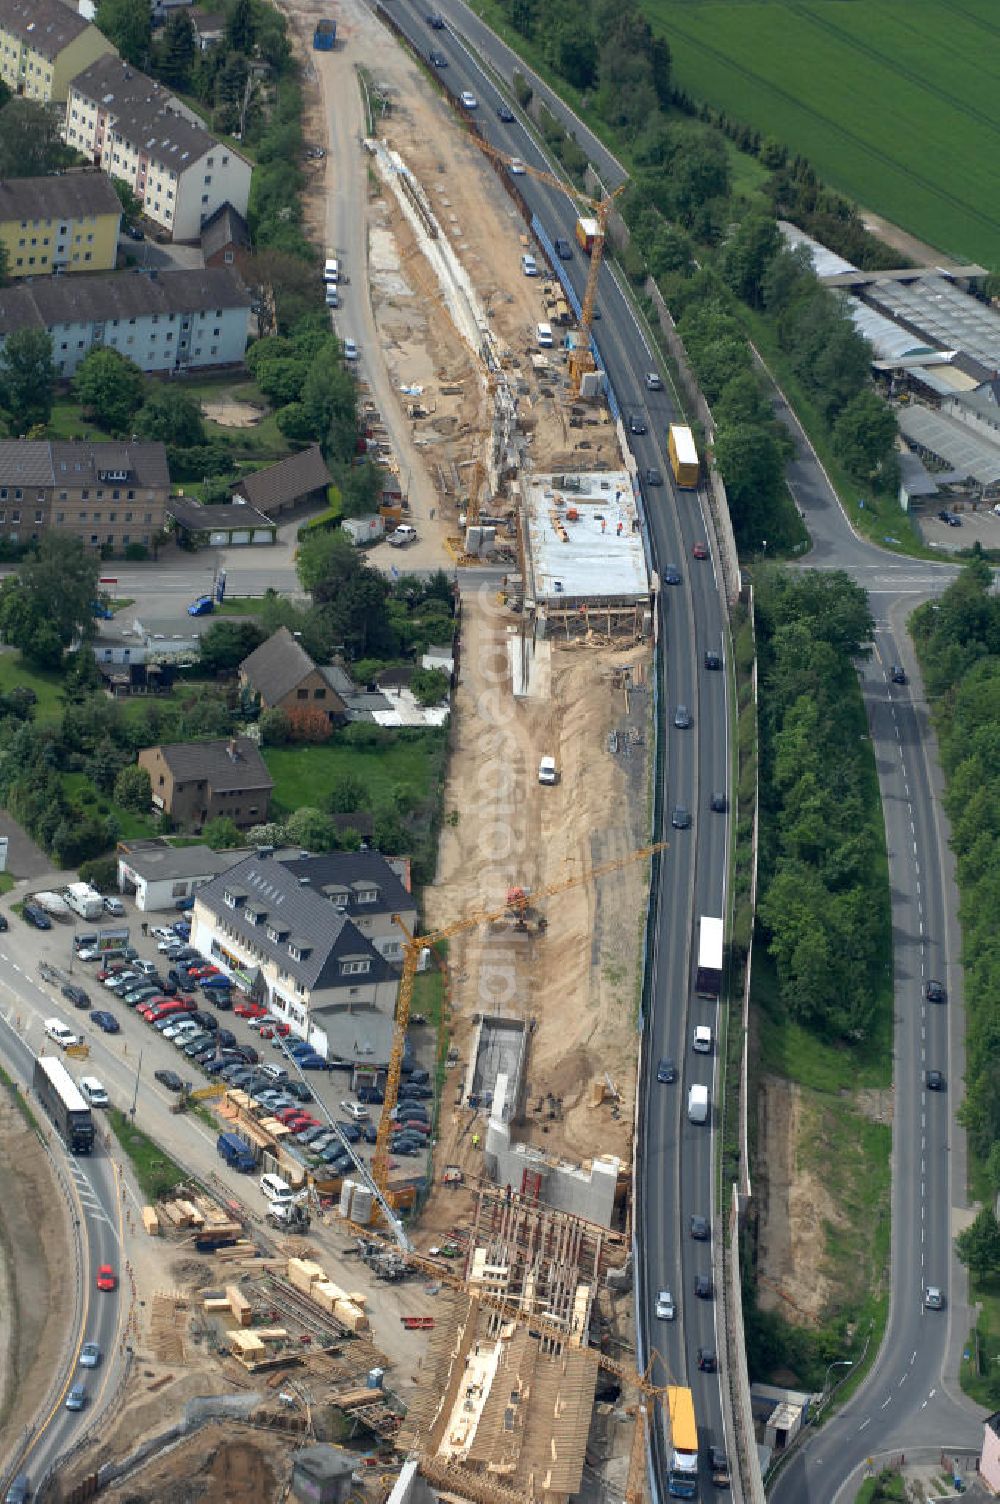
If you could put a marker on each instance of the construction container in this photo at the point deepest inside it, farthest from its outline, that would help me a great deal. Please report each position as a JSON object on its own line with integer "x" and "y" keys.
{"x": 346, "y": 1193}
{"x": 376, "y": 1377}
{"x": 151, "y": 1221}
{"x": 361, "y": 1205}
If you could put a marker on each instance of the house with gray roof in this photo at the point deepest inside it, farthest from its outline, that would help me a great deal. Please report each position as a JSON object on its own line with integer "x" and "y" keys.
{"x": 195, "y": 782}
{"x": 43, "y": 44}
{"x": 137, "y": 131}
{"x": 364, "y": 886}
{"x": 161, "y": 876}
{"x": 283, "y": 941}
{"x": 292, "y": 482}
{"x": 163, "y": 321}
{"x": 225, "y": 237}
{"x": 107, "y": 494}
{"x": 280, "y": 675}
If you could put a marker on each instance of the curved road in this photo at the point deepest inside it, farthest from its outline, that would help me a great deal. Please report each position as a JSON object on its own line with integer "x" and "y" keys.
{"x": 95, "y": 1190}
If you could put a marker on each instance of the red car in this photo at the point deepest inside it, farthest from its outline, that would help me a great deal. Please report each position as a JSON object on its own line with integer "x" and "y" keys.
{"x": 700, "y": 551}
{"x": 112, "y": 970}
{"x": 107, "y": 1279}
{"x": 249, "y": 1010}
{"x": 285, "y": 1114}
{"x": 268, "y": 1031}
{"x": 197, "y": 973}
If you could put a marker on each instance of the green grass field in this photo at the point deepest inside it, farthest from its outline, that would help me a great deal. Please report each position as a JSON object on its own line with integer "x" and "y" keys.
{"x": 893, "y": 103}
{"x": 306, "y": 776}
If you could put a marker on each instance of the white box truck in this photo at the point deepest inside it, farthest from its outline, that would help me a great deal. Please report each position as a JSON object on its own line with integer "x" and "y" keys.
{"x": 84, "y": 900}
{"x": 698, "y": 1104}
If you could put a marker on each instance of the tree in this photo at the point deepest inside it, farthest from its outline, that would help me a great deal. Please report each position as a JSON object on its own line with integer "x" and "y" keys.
{"x": 130, "y": 201}
{"x": 176, "y": 52}
{"x": 133, "y": 789}
{"x": 240, "y": 30}
{"x": 311, "y": 829}
{"x": 226, "y": 643}
{"x": 27, "y": 378}
{"x": 307, "y": 723}
{"x": 222, "y": 834}
{"x": 274, "y": 728}
{"x": 748, "y": 254}
{"x": 128, "y": 24}
{"x": 750, "y": 462}
{"x": 111, "y": 388}
{"x": 429, "y": 685}
{"x": 349, "y": 794}
{"x": 172, "y": 416}
{"x": 48, "y": 602}
{"x": 978, "y": 1245}
{"x": 326, "y": 561}
{"x": 864, "y": 434}
{"x": 29, "y": 139}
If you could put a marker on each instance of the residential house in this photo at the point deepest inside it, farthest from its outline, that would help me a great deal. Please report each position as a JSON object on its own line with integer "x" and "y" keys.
{"x": 161, "y": 876}
{"x": 292, "y": 482}
{"x": 989, "y": 1461}
{"x": 68, "y": 223}
{"x": 139, "y": 132}
{"x": 364, "y": 886}
{"x": 209, "y": 28}
{"x": 166, "y": 321}
{"x": 284, "y": 942}
{"x": 280, "y": 675}
{"x": 195, "y": 782}
{"x": 107, "y": 494}
{"x": 219, "y": 526}
{"x": 225, "y": 237}
{"x": 43, "y": 44}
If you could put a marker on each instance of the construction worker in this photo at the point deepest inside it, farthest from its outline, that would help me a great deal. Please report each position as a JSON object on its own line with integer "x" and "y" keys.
{"x": 475, "y": 1140}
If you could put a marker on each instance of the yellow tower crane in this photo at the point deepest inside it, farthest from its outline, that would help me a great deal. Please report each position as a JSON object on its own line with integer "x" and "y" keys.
{"x": 519, "y": 901}
{"x": 581, "y": 359}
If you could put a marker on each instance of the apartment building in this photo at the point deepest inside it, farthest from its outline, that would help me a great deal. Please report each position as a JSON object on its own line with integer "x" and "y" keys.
{"x": 109, "y": 495}
{"x": 164, "y": 321}
{"x": 137, "y": 131}
{"x": 43, "y": 44}
{"x": 68, "y": 223}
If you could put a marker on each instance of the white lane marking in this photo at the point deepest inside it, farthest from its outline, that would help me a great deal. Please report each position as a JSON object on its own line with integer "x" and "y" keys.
{"x": 903, "y": 1380}
{"x": 865, "y": 1423}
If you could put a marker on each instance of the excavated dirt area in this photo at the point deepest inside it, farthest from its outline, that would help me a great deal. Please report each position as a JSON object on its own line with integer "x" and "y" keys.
{"x": 575, "y": 986}
{"x": 35, "y": 1263}
{"x": 225, "y": 1463}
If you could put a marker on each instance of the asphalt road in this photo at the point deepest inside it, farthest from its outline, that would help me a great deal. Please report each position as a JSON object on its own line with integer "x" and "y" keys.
{"x": 678, "y": 1157}
{"x": 96, "y": 1198}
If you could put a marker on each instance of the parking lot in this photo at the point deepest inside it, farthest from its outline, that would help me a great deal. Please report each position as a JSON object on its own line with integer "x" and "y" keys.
{"x": 174, "y": 1009}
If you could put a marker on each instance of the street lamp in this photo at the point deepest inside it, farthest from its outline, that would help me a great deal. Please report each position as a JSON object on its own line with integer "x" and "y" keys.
{"x": 837, "y": 1363}
{"x": 135, "y": 1094}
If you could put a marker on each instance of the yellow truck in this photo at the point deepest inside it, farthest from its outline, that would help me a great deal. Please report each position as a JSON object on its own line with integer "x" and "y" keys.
{"x": 684, "y": 460}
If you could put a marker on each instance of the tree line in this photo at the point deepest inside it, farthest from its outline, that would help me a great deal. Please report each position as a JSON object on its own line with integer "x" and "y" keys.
{"x": 958, "y": 641}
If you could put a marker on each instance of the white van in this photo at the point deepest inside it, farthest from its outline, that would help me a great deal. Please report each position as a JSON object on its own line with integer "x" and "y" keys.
{"x": 543, "y": 334}
{"x": 405, "y": 533}
{"x": 529, "y": 266}
{"x": 57, "y": 1030}
{"x": 698, "y": 1104}
{"x": 331, "y": 270}
{"x": 276, "y": 1189}
{"x": 94, "y": 1092}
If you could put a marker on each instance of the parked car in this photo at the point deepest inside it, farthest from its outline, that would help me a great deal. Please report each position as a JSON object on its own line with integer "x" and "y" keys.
{"x": 203, "y": 606}
{"x": 35, "y": 916}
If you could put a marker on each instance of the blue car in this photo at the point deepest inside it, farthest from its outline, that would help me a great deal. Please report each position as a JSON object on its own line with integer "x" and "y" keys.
{"x": 106, "y": 1021}
{"x": 203, "y": 606}
{"x": 210, "y": 983}
{"x": 310, "y": 1062}
{"x": 369, "y": 1133}
{"x": 350, "y": 1131}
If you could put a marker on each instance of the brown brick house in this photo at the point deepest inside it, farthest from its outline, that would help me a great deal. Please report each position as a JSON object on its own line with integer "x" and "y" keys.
{"x": 282, "y": 676}
{"x": 194, "y": 782}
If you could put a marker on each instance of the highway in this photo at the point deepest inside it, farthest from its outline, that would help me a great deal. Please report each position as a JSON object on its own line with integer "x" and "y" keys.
{"x": 98, "y": 1315}
{"x": 678, "y": 1157}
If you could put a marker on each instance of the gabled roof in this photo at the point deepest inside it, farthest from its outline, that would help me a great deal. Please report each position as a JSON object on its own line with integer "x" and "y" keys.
{"x": 271, "y": 910}
{"x": 71, "y": 195}
{"x": 225, "y": 227}
{"x": 46, "y": 25}
{"x": 359, "y": 882}
{"x": 277, "y": 667}
{"x": 286, "y": 481}
{"x": 100, "y": 297}
{"x": 227, "y": 767}
{"x": 40, "y": 462}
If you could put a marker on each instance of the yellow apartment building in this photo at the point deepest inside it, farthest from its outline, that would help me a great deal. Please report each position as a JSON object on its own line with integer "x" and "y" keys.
{"x": 59, "y": 224}
{"x": 43, "y": 44}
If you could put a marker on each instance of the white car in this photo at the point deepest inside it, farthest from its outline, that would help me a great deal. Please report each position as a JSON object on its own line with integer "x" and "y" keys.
{"x": 332, "y": 296}
{"x": 653, "y": 381}
{"x": 350, "y": 349}
{"x": 702, "y": 1040}
{"x": 94, "y": 1092}
{"x": 148, "y": 968}
{"x": 665, "y": 1309}
{"x": 355, "y": 1112}
{"x": 517, "y": 167}
{"x": 160, "y": 932}
{"x": 114, "y": 906}
{"x": 547, "y": 770}
{"x": 529, "y": 266}
{"x": 63, "y": 1036}
{"x": 469, "y": 100}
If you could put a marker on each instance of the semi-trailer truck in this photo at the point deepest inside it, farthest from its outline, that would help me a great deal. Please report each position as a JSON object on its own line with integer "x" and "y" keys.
{"x": 683, "y": 453}
{"x": 64, "y": 1103}
{"x": 682, "y": 1478}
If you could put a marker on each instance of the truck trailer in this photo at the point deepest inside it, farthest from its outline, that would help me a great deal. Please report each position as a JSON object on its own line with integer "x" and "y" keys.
{"x": 683, "y": 452}
{"x": 587, "y": 232}
{"x": 682, "y": 1479}
{"x": 53, "y": 904}
{"x": 64, "y": 1103}
{"x": 711, "y": 945}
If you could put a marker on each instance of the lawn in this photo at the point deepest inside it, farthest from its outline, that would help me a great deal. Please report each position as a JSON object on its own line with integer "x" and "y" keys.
{"x": 81, "y": 792}
{"x": 15, "y": 674}
{"x": 306, "y": 776}
{"x": 257, "y": 444}
{"x": 155, "y": 1171}
{"x": 893, "y": 104}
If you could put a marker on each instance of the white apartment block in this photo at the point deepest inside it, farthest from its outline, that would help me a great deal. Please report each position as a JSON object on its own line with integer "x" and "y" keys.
{"x": 165, "y": 322}
{"x": 137, "y": 131}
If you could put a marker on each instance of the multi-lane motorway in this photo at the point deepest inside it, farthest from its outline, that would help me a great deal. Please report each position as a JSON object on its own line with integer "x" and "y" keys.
{"x": 98, "y": 1316}
{"x": 677, "y": 1158}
